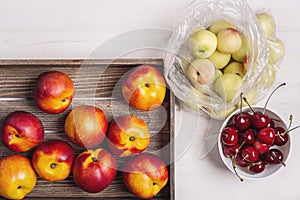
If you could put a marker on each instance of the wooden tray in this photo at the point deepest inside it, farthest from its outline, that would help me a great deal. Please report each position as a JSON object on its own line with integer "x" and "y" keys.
{"x": 96, "y": 82}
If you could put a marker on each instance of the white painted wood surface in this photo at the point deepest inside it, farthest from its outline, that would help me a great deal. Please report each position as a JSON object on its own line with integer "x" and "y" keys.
{"x": 75, "y": 28}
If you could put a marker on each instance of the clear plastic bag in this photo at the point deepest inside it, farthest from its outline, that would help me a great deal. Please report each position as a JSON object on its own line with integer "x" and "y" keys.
{"x": 201, "y": 14}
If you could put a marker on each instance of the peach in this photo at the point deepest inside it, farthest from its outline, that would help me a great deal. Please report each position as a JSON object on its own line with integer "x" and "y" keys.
{"x": 53, "y": 159}
{"x": 21, "y": 131}
{"x": 86, "y": 126}
{"x": 144, "y": 88}
{"x": 128, "y": 135}
{"x": 53, "y": 92}
{"x": 94, "y": 170}
{"x": 17, "y": 177}
{"x": 145, "y": 175}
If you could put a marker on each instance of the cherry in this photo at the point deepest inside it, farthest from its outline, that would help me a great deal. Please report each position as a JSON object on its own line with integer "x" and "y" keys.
{"x": 261, "y": 147}
{"x": 250, "y": 154}
{"x": 259, "y": 119}
{"x": 231, "y": 150}
{"x": 281, "y": 138}
{"x": 271, "y": 124}
{"x": 266, "y": 135}
{"x": 240, "y": 161}
{"x": 229, "y": 135}
{"x": 257, "y": 167}
{"x": 248, "y": 136}
{"x": 274, "y": 156}
{"x": 242, "y": 120}
{"x": 281, "y": 135}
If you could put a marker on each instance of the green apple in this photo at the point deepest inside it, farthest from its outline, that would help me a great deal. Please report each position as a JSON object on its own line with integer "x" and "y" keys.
{"x": 227, "y": 85}
{"x": 202, "y": 43}
{"x": 235, "y": 68}
{"x": 267, "y": 23}
{"x": 229, "y": 40}
{"x": 276, "y": 49}
{"x": 202, "y": 71}
{"x": 244, "y": 50}
{"x": 219, "y": 59}
{"x": 217, "y": 26}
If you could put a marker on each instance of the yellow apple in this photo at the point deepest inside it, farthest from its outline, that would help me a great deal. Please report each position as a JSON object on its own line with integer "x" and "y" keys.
{"x": 227, "y": 85}
{"x": 235, "y": 68}
{"x": 202, "y": 43}
{"x": 267, "y": 76}
{"x": 217, "y": 26}
{"x": 276, "y": 49}
{"x": 201, "y": 71}
{"x": 267, "y": 23}
{"x": 229, "y": 40}
{"x": 219, "y": 59}
{"x": 244, "y": 50}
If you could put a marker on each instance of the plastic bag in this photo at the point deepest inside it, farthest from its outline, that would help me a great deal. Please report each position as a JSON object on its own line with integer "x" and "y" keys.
{"x": 201, "y": 14}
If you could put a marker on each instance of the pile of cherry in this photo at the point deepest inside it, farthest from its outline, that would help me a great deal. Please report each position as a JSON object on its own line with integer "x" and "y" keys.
{"x": 250, "y": 139}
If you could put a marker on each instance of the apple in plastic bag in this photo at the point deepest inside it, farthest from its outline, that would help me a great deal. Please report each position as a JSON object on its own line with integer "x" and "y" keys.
{"x": 202, "y": 71}
{"x": 267, "y": 23}
{"x": 227, "y": 85}
{"x": 276, "y": 50}
{"x": 202, "y": 43}
{"x": 244, "y": 50}
{"x": 229, "y": 40}
{"x": 220, "y": 60}
{"x": 217, "y": 26}
{"x": 235, "y": 68}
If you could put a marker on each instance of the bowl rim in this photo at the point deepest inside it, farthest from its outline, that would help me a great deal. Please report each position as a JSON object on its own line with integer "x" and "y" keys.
{"x": 225, "y": 159}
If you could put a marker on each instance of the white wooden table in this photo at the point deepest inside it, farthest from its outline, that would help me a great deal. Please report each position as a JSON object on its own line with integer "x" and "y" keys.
{"x": 74, "y": 29}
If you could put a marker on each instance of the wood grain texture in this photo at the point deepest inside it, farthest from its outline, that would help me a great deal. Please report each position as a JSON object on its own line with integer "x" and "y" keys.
{"x": 17, "y": 79}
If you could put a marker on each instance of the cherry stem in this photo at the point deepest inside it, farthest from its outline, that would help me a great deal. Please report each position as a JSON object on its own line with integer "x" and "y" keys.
{"x": 282, "y": 84}
{"x": 244, "y": 98}
{"x": 241, "y": 103}
{"x": 290, "y": 124}
{"x": 234, "y": 166}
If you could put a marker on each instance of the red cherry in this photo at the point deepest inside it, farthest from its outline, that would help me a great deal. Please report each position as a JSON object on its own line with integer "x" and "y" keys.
{"x": 229, "y": 136}
{"x": 240, "y": 161}
{"x": 261, "y": 147}
{"x": 250, "y": 154}
{"x": 248, "y": 136}
{"x": 257, "y": 167}
{"x": 274, "y": 156}
{"x": 266, "y": 135}
{"x": 260, "y": 120}
{"x": 271, "y": 124}
{"x": 281, "y": 138}
{"x": 231, "y": 150}
{"x": 242, "y": 121}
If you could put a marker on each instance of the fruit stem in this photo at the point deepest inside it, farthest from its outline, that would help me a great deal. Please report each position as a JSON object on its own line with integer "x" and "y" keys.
{"x": 290, "y": 124}
{"x": 241, "y": 103}
{"x": 233, "y": 161}
{"x": 244, "y": 98}
{"x": 282, "y": 84}
{"x": 291, "y": 129}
